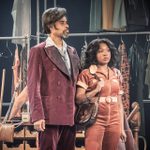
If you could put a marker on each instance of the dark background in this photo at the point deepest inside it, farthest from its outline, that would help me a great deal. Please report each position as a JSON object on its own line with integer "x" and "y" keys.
{"x": 78, "y": 15}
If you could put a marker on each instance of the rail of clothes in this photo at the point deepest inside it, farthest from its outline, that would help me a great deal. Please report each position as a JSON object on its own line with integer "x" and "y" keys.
{"x": 116, "y": 15}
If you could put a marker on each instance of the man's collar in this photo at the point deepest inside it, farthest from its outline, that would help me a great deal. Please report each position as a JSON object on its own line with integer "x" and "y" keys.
{"x": 50, "y": 42}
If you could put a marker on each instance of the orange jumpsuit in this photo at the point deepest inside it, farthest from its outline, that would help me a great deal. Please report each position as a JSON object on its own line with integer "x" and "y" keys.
{"x": 105, "y": 133}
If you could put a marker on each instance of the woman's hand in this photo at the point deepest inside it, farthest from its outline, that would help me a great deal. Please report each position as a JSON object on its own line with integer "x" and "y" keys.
{"x": 100, "y": 84}
{"x": 123, "y": 136}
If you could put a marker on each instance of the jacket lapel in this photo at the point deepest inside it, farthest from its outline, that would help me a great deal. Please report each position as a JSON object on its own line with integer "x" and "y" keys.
{"x": 54, "y": 55}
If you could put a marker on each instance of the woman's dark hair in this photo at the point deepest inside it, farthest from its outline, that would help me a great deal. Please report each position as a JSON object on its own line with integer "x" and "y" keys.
{"x": 50, "y": 16}
{"x": 92, "y": 49}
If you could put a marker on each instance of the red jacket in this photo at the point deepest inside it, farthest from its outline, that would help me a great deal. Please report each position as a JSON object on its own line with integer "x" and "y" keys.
{"x": 51, "y": 91}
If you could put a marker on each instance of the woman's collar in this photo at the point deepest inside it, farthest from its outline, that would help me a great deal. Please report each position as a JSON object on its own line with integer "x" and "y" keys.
{"x": 93, "y": 69}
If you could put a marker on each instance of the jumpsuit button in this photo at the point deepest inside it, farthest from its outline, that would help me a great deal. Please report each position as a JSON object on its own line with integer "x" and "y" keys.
{"x": 58, "y": 83}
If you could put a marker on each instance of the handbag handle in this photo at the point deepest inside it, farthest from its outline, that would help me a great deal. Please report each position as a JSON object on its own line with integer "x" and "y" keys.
{"x": 2, "y": 91}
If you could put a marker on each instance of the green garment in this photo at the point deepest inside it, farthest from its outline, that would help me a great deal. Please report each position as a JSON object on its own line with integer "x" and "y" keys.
{"x": 119, "y": 17}
{"x": 95, "y": 16}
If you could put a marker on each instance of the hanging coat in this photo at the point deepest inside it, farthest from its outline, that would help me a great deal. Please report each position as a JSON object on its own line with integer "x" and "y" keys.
{"x": 125, "y": 70}
{"x": 137, "y": 60}
{"x": 95, "y": 16}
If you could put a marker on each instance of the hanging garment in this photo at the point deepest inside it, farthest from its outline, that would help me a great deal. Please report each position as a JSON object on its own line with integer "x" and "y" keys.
{"x": 137, "y": 12}
{"x": 137, "y": 60}
{"x": 23, "y": 67}
{"x": 147, "y": 75}
{"x": 21, "y": 13}
{"x": 83, "y": 53}
{"x": 107, "y": 14}
{"x": 125, "y": 70}
{"x": 119, "y": 15}
{"x": 95, "y": 16}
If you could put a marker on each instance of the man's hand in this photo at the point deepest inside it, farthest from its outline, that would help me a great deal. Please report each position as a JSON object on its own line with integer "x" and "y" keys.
{"x": 123, "y": 136}
{"x": 39, "y": 125}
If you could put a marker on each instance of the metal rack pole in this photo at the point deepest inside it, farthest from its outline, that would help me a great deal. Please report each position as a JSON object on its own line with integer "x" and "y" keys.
{"x": 2, "y": 91}
{"x": 15, "y": 37}
{"x": 109, "y": 33}
{"x": 55, "y": 3}
{"x": 100, "y": 33}
{"x": 28, "y": 48}
{"x": 37, "y": 20}
{"x": 45, "y": 4}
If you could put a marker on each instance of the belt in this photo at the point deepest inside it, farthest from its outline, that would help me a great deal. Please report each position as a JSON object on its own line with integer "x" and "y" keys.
{"x": 108, "y": 99}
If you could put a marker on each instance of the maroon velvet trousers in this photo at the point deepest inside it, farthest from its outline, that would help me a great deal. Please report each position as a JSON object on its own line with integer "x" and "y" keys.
{"x": 57, "y": 137}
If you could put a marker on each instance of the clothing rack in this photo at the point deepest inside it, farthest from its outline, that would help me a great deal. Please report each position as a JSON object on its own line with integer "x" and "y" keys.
{"x": 110, "y": 33}
{"x": 27, "y": 41}
{"x": 26, "y": 38}
{"x": 15, "y": 37}
{"x": 43, "y": 36}
{"x": 146, "y": 101}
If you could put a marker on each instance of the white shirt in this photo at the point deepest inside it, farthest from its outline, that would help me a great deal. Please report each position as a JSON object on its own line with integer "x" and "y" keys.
{"x": 62, "y": 51}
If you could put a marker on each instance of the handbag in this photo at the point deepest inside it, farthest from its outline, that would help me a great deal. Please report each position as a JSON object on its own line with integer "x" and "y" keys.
{"x": 86, "y": 112}
{"x": 7, "y": 129}
{"x": 7, "y": 132}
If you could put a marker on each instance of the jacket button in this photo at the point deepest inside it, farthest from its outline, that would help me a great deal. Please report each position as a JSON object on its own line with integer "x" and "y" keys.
{"x": 54, "y": 69}
{"x": 58, "y": 83}
{"x": 58, "y": 97}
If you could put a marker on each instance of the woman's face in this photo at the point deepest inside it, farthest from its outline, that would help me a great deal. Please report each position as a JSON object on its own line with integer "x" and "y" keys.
{"x": 103, "y": 54}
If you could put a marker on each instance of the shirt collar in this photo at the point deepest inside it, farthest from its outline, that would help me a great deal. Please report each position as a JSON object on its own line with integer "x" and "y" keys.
{"x": 50, "y": 42}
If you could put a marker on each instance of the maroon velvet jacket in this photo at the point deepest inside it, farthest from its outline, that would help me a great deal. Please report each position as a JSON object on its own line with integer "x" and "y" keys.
{"x": 51, "y": 90}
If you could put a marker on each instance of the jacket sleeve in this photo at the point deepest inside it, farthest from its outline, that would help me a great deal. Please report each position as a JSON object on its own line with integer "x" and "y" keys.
{"x": 33, "y": 82}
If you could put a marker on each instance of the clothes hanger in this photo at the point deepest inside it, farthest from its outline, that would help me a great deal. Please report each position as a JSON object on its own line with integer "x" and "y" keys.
{"x": 83, "y": 51}
{"x": 85, "y": 42}
{"x": 147, "y": 43}
{"x": 135, "y": 40}
{"x": 7, "y": 53}
{"x": 16, "y": 46}
{"x": 98, "y": 37}
{"x": 1, "y": 54}
{"x": 121, "y": 39}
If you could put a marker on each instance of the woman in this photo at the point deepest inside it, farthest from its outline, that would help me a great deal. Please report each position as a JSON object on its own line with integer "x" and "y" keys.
{"x": 101, "y": 59}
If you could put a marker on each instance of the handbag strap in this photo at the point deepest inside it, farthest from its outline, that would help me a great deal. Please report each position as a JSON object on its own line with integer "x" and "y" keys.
{"x": 97, "y": 78}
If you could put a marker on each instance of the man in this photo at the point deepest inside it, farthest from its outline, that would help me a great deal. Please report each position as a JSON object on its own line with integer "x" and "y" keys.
{"x": 52, "y": 73}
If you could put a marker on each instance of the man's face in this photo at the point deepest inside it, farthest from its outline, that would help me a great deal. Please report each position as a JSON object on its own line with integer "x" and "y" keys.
{"x": 61, "y": 28}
